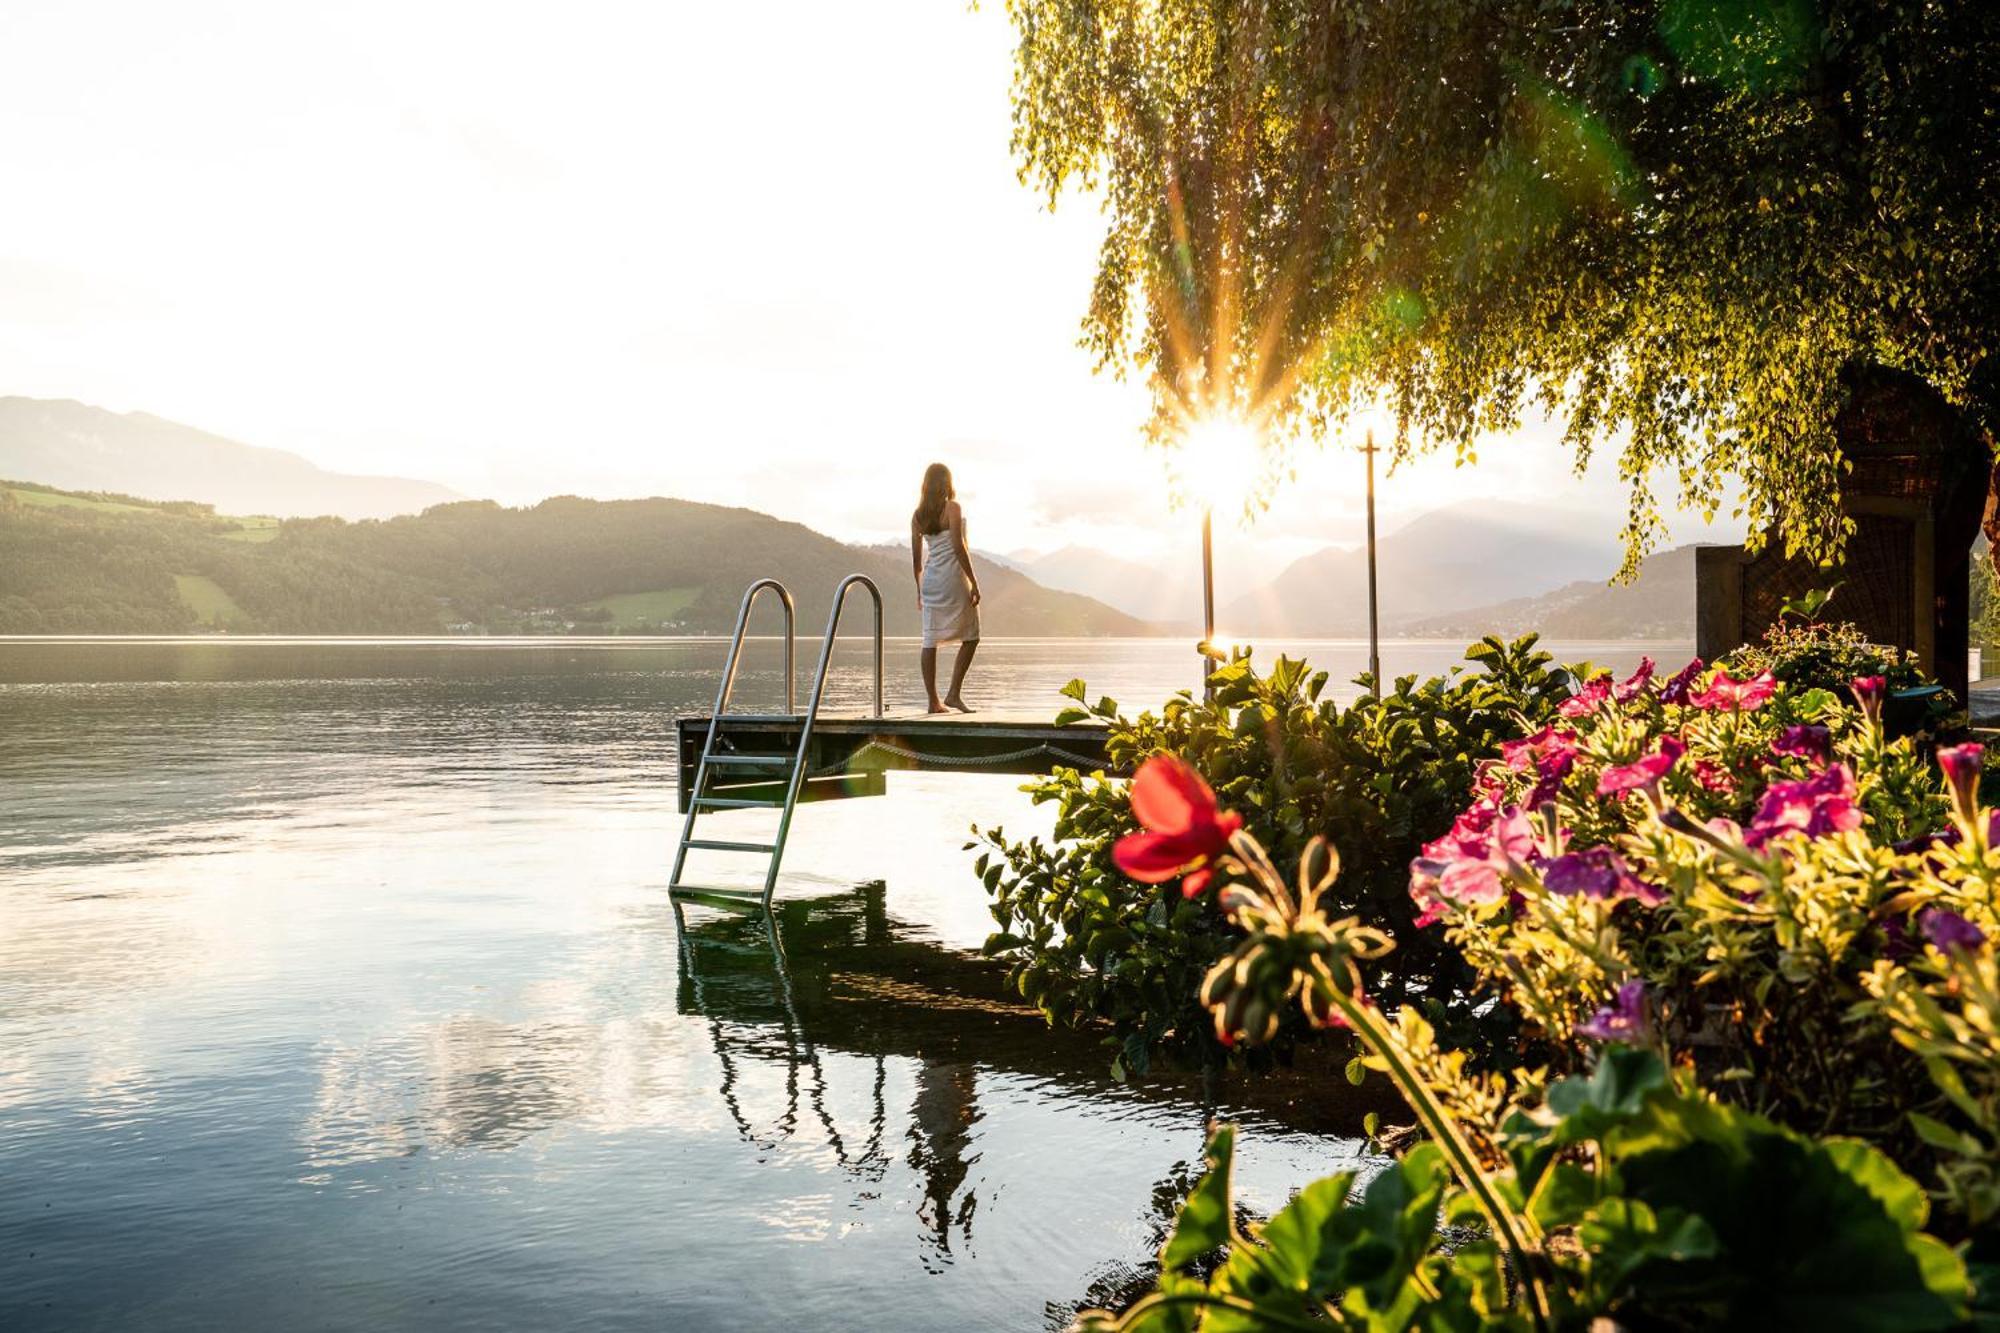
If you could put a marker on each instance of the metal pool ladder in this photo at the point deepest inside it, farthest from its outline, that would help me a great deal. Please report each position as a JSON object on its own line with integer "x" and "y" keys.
{"x": 743, "y": 767}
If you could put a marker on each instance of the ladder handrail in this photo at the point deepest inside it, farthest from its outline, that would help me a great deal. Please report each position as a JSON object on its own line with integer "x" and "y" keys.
{"x": 796, "y": 779}
{"x": 812, "y": 710}
{"x": 826, "y": 644}
{"x": 728, "y": 683}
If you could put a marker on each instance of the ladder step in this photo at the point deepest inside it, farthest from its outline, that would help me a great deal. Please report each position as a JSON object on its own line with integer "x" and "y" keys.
{"x": 741, "y": 760}
{"x": 717, "y": 845}
{"x": 738, "y": 803}
{"x": 717, "y": 897}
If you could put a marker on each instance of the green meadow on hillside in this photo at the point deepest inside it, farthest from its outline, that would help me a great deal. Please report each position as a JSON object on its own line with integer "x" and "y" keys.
{"x": 75, "y": 563}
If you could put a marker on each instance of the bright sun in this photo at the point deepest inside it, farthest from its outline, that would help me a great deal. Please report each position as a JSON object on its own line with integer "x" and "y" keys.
{"x": 1219, "y": 462}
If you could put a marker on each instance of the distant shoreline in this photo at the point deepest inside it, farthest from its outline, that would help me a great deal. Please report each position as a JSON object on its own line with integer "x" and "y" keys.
{"x": 654, "y": 640}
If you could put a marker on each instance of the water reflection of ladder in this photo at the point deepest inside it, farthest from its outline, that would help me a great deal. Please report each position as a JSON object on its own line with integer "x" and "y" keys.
{"x": 731, "y": 777}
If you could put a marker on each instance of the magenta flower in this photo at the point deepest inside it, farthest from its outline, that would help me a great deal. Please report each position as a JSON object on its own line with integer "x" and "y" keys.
{"x": 1539, "y": 750}
{"x": 1468, "y": 864}
{"x": 1677, "y": 690}
{"x": 1597, "y": 872}
{"x": 1868, "y": 692}
{"x": 1587, "y": 699}
{"x": 1643, "y": 775}
{"x": 1815, "y": 807}
{"x": 1804, "y": 740}
{"x": 1634, "y": 685}
{"x": 1623, "y": 1020}
{"x": 1961, "y": 765}
{"x": 1743, "y": 696}
{"x": 1713, "y": 776}
{"x": 1948, "y": 931}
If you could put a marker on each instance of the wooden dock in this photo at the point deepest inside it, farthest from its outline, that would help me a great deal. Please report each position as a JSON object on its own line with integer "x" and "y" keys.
{"x": 852, "y": 756}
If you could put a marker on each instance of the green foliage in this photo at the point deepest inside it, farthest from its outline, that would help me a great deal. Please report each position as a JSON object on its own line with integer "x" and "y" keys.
{"x": 1683, "y": 226}
{"x": 1657, "y": 1208}
{"x": 1827, "y": 655}
{"x": 1379, "y": 777}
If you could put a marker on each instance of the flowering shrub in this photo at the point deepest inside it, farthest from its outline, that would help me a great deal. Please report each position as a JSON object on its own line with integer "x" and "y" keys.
{"x": 1626, "y": 1197}
{"x": 1815, "y": 654}
{"x": 1757, "y": 882}
{"x": 1090, "y": 942}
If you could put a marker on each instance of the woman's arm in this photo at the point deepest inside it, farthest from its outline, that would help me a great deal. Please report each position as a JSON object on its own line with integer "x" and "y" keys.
{"x": 917, "y": 558}
{"x": 964, "y": 551}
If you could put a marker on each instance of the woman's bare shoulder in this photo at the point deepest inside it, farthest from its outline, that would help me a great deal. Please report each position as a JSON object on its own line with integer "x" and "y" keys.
{"x": 951, "y": 509}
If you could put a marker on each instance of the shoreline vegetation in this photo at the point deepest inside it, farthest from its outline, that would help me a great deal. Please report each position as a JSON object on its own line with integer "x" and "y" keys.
{"x": 104, "y": 563}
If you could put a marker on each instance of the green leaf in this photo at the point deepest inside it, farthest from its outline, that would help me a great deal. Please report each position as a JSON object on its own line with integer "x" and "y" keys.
{"x": 1203, "y": 1224}
{"x": 1074, "y": 690}
{"x": 1069, "y": 715}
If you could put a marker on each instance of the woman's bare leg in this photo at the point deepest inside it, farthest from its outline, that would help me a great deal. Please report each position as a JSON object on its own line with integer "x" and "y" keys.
{"x": 927, "y": 659}
{"x": 958, "y": 669}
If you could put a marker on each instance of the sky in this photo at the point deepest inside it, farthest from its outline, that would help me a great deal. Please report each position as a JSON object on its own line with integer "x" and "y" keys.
{"x": 774, "y": 256}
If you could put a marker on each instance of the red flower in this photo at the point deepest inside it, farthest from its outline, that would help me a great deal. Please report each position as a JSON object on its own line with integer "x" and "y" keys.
{"x": 1742, "y": 695}
{"x": 1185, "y": 829}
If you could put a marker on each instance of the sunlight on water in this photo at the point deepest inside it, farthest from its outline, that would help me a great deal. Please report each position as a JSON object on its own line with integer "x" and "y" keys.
{"x": 338, "y": 983}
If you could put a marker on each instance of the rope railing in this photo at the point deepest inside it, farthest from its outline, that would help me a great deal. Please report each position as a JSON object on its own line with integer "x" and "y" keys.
{"x": 1084, "y": 761}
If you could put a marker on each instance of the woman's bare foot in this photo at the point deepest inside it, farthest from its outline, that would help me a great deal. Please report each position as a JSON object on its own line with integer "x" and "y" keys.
{"x": 937, "y": 707}
{"x": 957, "y": 703}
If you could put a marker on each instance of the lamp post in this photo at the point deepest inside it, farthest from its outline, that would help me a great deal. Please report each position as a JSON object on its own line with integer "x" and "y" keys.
{"x": 1207, "y": 601}
{"x": 1374, "y": 634}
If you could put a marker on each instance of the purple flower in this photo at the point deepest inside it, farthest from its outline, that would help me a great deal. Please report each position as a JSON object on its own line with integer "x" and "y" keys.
{"x": 1681, "y": 687}
{"x": 1948, "y": 931}
{"x": 1961, "y": 765}
{"x": 1635, "y": 684}
{"x": 1868, "y": 692}
{"x": 1643, "y": 774}
{"x": 1816, "y": 806}
{"x": 1623, "y": 1020}
{"x": 1804, "y": 740}
{"x": 1598, "y": 872}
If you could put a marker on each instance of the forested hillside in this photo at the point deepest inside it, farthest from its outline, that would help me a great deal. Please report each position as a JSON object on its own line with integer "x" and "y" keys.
{"x": 97, "y": 564}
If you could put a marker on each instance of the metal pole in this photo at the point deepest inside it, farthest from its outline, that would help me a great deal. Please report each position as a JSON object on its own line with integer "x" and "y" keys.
{"x": 1374, "y": 632}
{"x": 1207, "y": 602}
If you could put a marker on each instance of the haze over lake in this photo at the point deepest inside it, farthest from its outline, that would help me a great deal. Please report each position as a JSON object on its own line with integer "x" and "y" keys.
{"x": 340, "y": 988}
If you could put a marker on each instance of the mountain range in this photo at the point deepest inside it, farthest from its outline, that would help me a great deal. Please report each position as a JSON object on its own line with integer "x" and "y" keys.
{"x": 77, "y": 447}
{"x": 91, "y": 474}
{"x": 74, "y": 563}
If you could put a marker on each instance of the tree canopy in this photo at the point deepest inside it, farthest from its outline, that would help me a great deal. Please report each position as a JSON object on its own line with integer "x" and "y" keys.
{"x": 1676, "y": 226}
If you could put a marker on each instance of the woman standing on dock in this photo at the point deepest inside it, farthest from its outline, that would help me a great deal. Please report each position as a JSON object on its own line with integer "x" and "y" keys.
{"x": 947, "y": 589}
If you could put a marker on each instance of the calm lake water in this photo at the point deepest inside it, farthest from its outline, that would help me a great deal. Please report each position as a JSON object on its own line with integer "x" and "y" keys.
{"x": 339, "y": 990}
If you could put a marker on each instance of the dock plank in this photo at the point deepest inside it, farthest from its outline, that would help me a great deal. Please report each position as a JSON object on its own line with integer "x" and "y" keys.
{"x": 850, "y": 744}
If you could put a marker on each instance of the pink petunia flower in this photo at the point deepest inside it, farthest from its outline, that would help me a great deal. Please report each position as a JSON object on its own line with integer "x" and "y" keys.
{"x": 1815, "y": 807}
{"x": 1589, "y": 698}
{"x": 1643, "y": 775}
{"x": 1634, "y": 685}
{"x": 1744, "y": 696}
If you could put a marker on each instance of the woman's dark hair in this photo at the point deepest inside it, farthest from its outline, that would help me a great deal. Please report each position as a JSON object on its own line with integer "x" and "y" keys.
{"x": 937, "y": 493}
